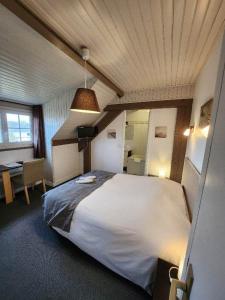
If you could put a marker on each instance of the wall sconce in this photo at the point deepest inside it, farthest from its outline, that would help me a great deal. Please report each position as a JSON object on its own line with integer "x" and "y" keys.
{"x": 188, "y": 131}
{"x": 205, "y": 131}
{"x": 162, "y": 173}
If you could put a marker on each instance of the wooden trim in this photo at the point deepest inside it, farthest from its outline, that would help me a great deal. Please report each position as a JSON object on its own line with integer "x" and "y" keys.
{"x": 28, "y": 17}
{"x": 149, "y": 105}
{"x": 184, "y": 108}
{"x": 15, "y": 104}
{"x": 87, "y": 157}
{"x": 82, "y": 143}
{"x": 101, "y": 125}
{"x": 180, "y": 142}
{"x": 107, "y": 119}
{"x": 64, "y": 142}
{"x": 16, "y": 148}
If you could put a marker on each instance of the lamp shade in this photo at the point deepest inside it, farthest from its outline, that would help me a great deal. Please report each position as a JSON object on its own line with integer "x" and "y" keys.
{"x": 85, "y": 101}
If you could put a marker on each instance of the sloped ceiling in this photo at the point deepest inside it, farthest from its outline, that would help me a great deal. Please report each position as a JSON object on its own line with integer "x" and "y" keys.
{"x": 104, "y": 96}
{"x": 31, "y": 69}
{"x": 138, "y": 44}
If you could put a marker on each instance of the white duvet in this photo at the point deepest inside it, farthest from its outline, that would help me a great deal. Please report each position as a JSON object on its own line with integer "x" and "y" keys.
{"x": 130, "y": 222}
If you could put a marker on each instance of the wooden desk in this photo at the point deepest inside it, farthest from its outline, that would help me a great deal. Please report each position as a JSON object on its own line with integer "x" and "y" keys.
{"x": 7, "y": 186}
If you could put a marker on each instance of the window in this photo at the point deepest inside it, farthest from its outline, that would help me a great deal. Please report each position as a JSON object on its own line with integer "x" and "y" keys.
{"x": 19, "y": 128}
{"x": 15, "y": 128}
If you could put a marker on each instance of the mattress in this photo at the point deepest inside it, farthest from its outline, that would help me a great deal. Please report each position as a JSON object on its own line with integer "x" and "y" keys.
{"x": 131, "y": 221}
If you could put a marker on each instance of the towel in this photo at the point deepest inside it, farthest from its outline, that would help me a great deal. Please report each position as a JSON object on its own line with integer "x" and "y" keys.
{"x": 85, "y": 180}
{"x": 87, "y": 177}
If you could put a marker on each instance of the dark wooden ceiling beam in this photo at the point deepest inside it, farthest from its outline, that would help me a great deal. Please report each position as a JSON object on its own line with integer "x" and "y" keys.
{"x": 39, "y": 26}
{"x": 106, "y": 120}
{"x": 149, "y": 105}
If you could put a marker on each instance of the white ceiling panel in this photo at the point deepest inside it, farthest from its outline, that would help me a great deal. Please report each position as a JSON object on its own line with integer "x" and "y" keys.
{"x": 31, "y": 69}
{"x": 138, "y": 44}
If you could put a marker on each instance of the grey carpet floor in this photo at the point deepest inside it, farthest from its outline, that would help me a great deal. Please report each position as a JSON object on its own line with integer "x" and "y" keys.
{"x": 37, "y": 263}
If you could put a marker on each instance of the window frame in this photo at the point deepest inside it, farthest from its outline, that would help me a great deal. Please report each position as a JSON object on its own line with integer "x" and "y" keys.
{"x": 5, "y": 133}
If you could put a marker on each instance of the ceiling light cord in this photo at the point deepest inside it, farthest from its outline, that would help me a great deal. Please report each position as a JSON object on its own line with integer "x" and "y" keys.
{"x": 85, "y": 99}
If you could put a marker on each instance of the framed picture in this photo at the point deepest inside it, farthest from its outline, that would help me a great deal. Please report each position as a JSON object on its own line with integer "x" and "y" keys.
{"x": 111, "y": 134}
{"x": 161, "y": 132}
{"x": 205, "y": 114}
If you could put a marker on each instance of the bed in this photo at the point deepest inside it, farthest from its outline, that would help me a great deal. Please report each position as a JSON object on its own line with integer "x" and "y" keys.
{"x": 128, "y": 222}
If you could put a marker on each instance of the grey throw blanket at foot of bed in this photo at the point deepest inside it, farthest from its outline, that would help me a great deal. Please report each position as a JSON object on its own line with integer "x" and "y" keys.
{"x": 60, "y": 202}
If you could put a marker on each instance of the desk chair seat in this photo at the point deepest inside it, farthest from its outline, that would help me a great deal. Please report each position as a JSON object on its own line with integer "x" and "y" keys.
{"x": 33, "y": 172}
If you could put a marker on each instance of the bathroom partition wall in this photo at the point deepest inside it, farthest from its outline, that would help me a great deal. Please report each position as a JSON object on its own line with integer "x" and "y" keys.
{"x": 160, "y": 142}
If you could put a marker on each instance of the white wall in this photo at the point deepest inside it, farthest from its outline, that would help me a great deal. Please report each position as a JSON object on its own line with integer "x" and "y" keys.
{"x": 159, "y": 150}
{"x": 16, "y": 155}
{"x": 204, "y": 90}
{"x": 166, "y": 93}
{"x": 55, "y": 113}
{"x": 107, "y": 154}
{"x": 208, "y": 243}
{"x": 67, "y": 162}
{"x": 60, "y": 123}
{"x": 139, "y": 120}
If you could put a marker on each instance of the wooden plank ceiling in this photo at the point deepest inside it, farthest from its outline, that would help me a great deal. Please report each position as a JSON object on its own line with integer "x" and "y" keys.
{"x": 32, "y": 69}
{"x": 138, "y": 44}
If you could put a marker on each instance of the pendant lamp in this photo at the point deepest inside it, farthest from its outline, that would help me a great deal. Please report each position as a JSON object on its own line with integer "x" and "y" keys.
{"x": 85, "y": 100}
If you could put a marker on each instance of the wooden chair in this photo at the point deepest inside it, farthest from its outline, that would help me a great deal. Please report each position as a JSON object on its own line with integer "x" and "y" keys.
{"x": 33, "y": 172}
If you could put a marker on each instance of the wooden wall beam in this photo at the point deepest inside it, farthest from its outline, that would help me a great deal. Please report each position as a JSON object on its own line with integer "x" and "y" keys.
{"x": 180, "y": 142}
{"x": 149, "y": 105}
{"x": 184, "y": 108}
{"x": 107, "y": 119}
{"x": 101, "y": 125}
{"x": 87, "y": 157}
{"x": 28, "y": 17}
{"x": 16, "y": 148}
{"x": 64, "y": 142}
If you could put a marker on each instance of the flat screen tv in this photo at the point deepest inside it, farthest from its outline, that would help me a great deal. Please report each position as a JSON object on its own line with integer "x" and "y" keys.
{"x": 84, "y": 132}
